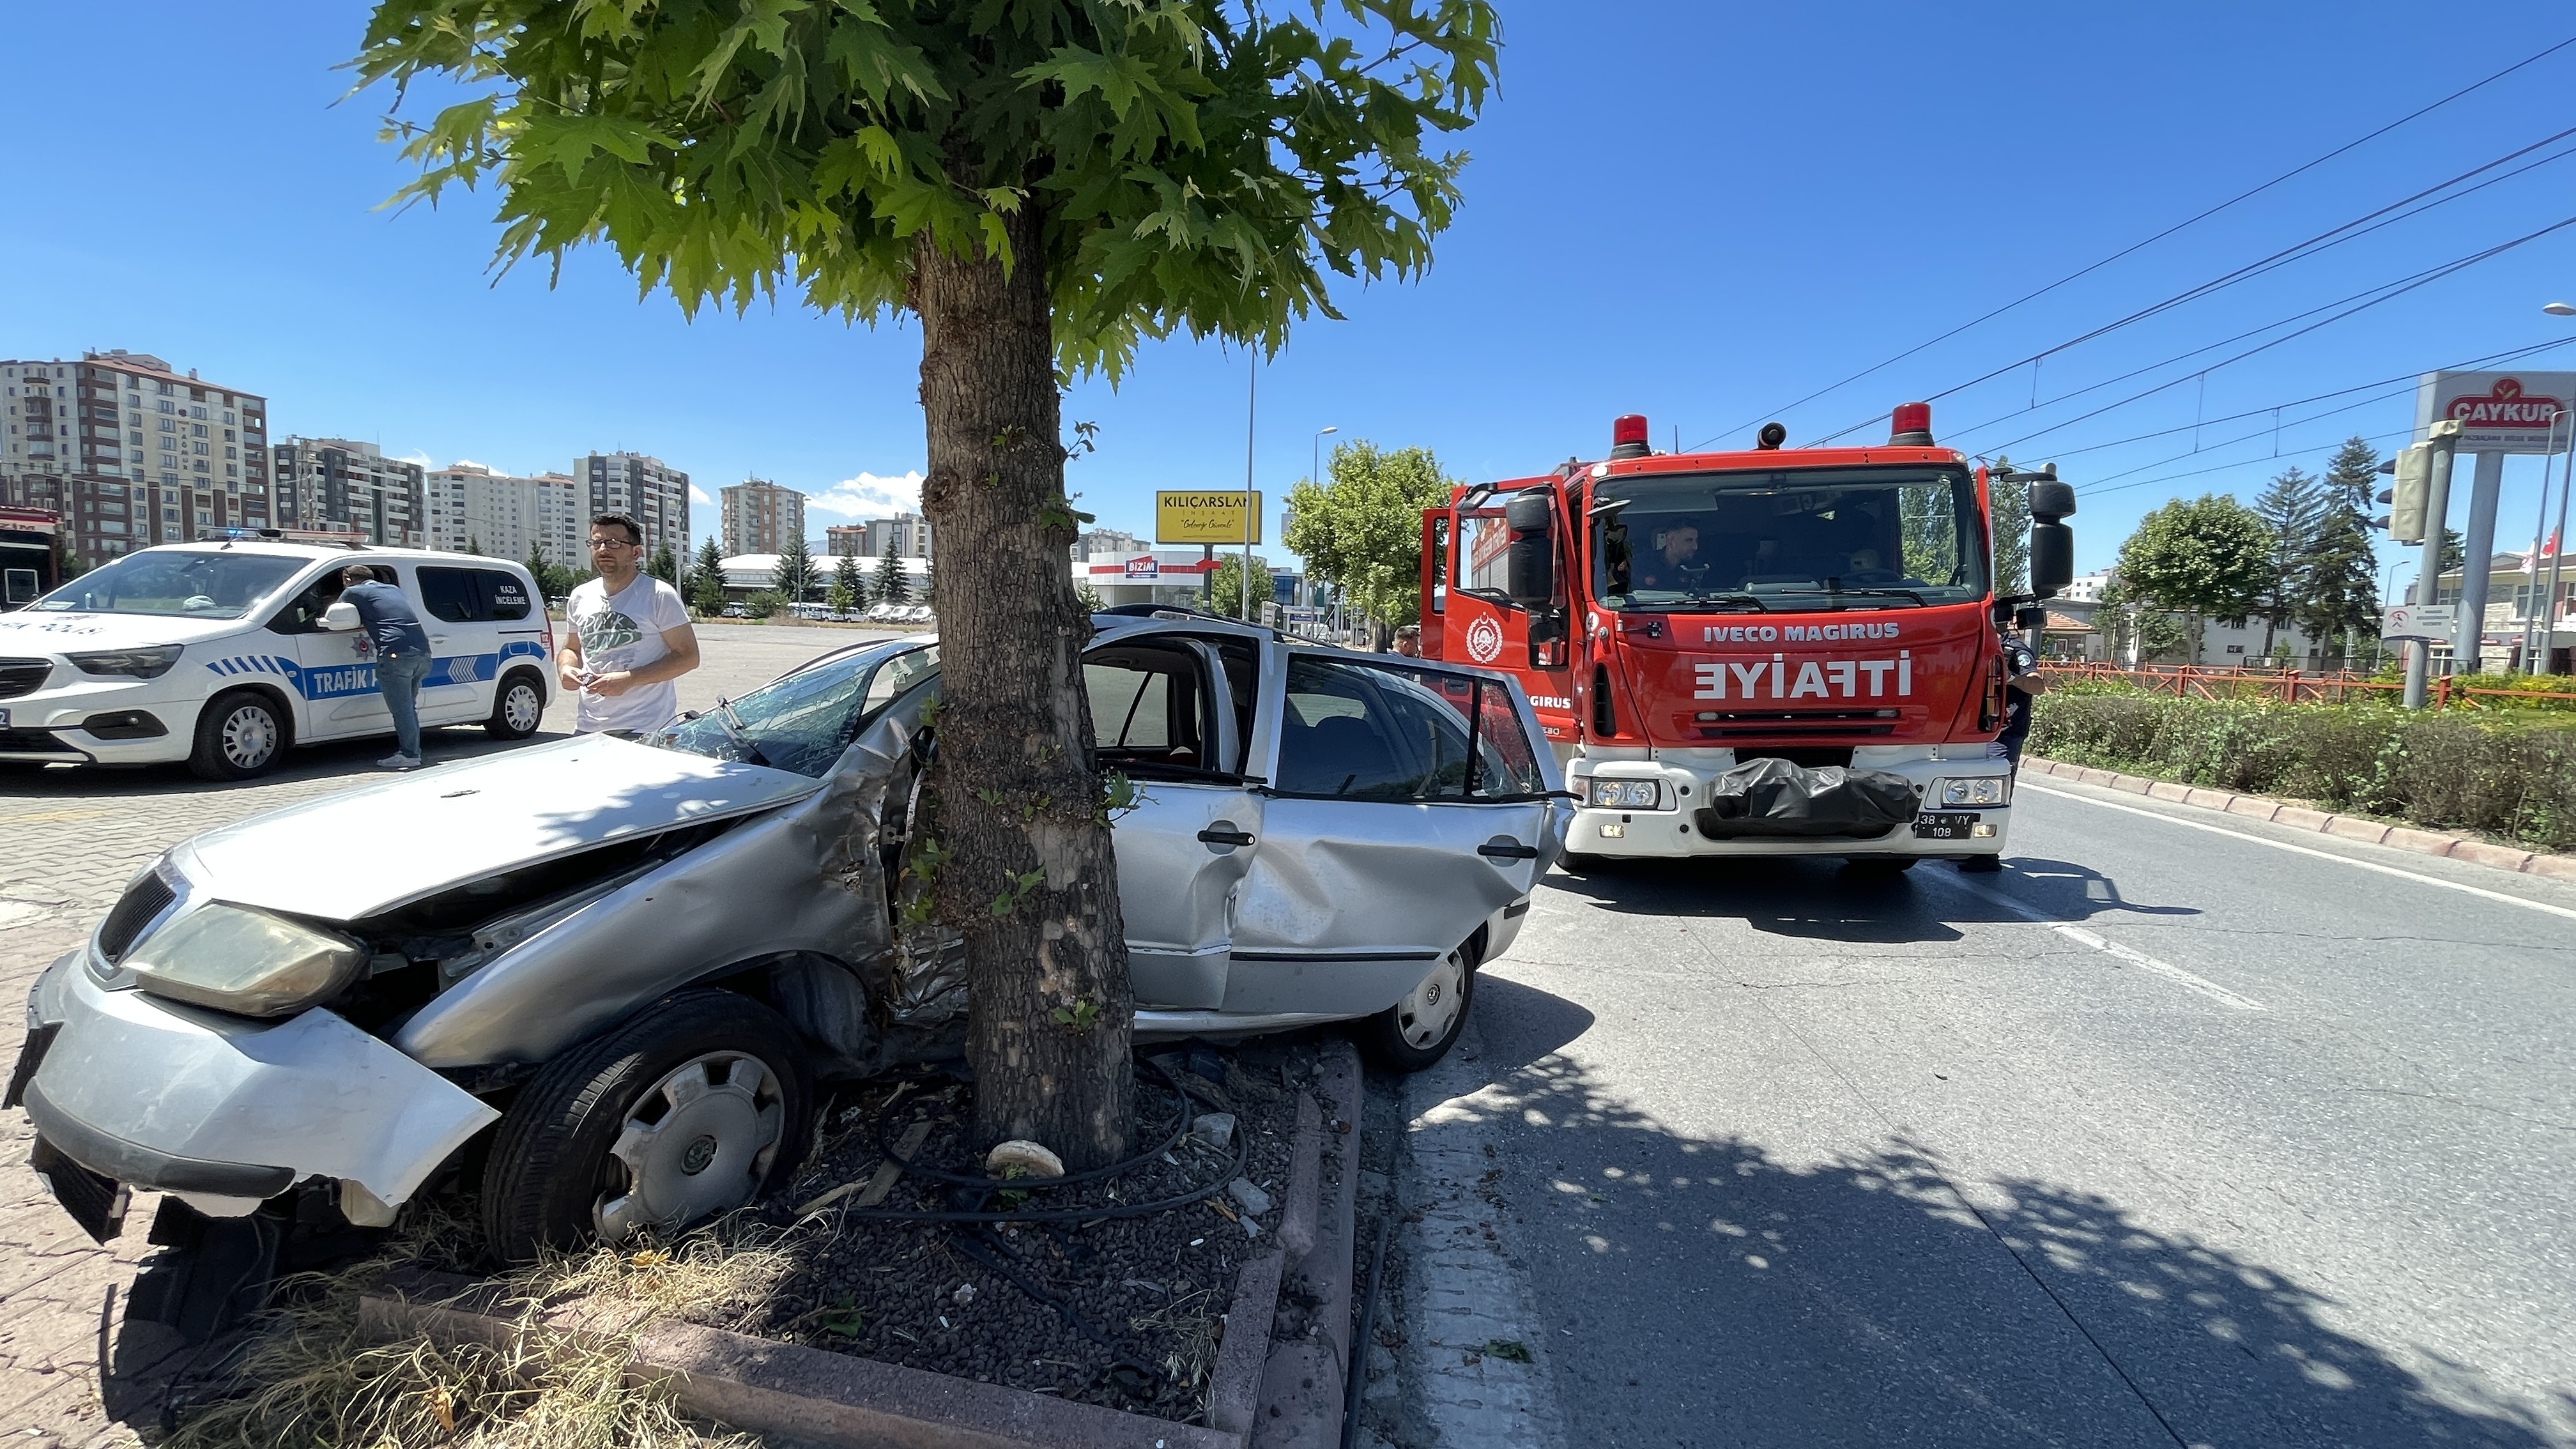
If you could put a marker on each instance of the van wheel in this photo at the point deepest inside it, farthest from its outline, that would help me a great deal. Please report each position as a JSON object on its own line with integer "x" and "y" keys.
{"x": 692, "y": 1109}
{"x": 1419, "y": 1030}
{"x": 239, "y": 735}
{"x": 518, "y": 708}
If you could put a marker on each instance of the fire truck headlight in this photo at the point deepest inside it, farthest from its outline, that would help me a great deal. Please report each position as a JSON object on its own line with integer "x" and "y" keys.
{"x": 1981, "y": 790}
{"x": 1627, "y": 794}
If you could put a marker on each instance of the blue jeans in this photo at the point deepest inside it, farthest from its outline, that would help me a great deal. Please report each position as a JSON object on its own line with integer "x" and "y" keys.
{"x": 398, "y": 676}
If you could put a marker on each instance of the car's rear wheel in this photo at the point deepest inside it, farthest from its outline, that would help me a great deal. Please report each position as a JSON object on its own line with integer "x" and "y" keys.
{"x": 691, "y": 1109}
{"x": 518, "y": 708}
{"x": 1420, "y": 1029}
{"x": 239, "y": 735}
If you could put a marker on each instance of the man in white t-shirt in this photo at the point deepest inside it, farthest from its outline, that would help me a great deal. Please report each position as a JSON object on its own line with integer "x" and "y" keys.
{"x": 630, "y": 636}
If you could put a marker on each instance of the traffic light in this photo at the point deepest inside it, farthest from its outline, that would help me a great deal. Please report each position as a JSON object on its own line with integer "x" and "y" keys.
{"x": 2406, "y": 500}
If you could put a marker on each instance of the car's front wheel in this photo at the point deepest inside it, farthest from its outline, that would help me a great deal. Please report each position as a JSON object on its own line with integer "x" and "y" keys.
{"x": 689, "y": 1110}
{"x": 519, "y": 706}
{"x": 239, "y": 735}
{"x": 1419, "y": 1030}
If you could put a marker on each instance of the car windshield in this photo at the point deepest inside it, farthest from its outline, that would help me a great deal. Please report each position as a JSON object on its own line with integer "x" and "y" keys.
{"x": 804, "y": 721}
{"x": 187, "y": 583}
{"x": 1788, "y": 540}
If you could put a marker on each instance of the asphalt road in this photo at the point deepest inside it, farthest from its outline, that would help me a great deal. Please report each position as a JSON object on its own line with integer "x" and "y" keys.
{"x": 2164, "y": 1136}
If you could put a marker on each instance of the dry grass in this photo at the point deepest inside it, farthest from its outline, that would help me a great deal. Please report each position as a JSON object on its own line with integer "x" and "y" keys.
{"x": 313, "y": 1377}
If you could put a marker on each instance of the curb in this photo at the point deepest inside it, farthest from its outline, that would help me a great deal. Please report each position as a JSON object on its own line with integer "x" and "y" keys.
{"x": 815, "y": 1397}
{"x": 2298, "y": 817}
{"x": 1302, "y": 1386}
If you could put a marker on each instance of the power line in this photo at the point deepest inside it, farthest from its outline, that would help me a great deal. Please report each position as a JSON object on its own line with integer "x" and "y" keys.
{"x": 2160, "y": 236}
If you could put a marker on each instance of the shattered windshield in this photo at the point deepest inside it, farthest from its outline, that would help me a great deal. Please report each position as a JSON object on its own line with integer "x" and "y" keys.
{"x": 189, "y": 584}
{"x": 1798, "y": 540}
{"x": 803, "y": 721}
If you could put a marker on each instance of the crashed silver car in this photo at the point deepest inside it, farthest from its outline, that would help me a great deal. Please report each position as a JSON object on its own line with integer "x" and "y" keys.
{"x": 599, "y": 979}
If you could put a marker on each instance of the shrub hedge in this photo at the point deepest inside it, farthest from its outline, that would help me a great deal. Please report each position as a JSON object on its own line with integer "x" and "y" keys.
{"x": 2512, "y": 779}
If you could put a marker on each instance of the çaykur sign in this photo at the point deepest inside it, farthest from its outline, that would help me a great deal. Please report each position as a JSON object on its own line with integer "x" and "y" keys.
{"x": 2499, "y": 412}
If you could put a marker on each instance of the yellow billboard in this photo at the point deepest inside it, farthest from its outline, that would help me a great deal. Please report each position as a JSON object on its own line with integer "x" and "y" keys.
{"x": 1214, "y": 517}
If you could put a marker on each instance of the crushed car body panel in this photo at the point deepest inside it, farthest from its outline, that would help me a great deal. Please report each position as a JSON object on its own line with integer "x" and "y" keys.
{"x": 470, "y": 820}
{"x": 312, "y": 1095}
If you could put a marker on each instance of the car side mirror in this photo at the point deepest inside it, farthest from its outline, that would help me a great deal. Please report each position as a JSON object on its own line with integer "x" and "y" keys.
{"x": 341, "y": 617}
{"x": 1529, "y": 573}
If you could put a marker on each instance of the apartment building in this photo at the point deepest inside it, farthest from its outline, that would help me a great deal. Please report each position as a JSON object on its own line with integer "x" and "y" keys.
{"x": 656, "y": 494}
{"x": 129, "y": 452}
{"x": 1107, "y": 540}
{"x": 907, "y": 533}
{"x": 472, "y": 507}
{"x": 842, "y": 539}
{"x": 759, "y": 516}
{"x": 339, "y": 485}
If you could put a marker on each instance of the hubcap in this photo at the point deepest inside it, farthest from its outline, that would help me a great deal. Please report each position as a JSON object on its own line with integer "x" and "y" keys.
{"x": 250, "y": 737}
{"x": 519, "y": 707}
{"x": 698, "y": 1143}
{"x": 1431, "y": 1012}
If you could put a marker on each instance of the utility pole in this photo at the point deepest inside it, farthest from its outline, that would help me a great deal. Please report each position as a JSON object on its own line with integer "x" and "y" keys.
{"x": 2443, "y": 438}
{"x": 1251, "y": 396}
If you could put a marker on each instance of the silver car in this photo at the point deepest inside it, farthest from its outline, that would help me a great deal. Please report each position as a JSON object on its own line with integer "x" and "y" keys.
{"x": 606, "y": 975}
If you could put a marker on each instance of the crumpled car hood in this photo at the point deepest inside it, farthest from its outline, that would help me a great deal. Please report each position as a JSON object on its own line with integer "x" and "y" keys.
{"x": 351, "y": 855}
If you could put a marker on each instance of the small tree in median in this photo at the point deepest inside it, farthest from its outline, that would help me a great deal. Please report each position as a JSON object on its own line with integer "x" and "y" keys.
{"x": 894, "y": 585}
{"x": 707, "y": 581}
{"x": 1045, "y": 184}
{"x": 2208, "y": 558}
{"x": 849, "y": 588}
{"x": 1225, "y": 586}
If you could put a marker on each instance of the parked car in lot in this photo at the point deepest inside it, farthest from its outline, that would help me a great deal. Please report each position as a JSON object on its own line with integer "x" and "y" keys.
{"x": 217, "y": 653}
{"x": 611, "y": 972}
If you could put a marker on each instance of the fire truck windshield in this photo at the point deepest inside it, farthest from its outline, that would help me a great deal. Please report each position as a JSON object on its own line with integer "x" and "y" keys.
{"x": 1787, "y": 540}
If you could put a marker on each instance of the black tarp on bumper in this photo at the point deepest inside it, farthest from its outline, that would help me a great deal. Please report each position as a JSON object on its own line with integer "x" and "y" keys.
{"x": 1771, "y": 797}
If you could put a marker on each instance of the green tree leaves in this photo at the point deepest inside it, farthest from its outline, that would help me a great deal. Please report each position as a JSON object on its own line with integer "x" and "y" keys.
{"x": 2209, "y": 557}
{"x": 1225, "y": 586}
{"x": 1362, "y": 531}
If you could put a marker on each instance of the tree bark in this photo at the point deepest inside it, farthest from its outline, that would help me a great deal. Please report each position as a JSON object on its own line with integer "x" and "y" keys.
{"x": 1029, "y": 879}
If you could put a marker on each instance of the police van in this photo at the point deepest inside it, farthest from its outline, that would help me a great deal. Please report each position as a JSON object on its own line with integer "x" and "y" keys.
{"x": 226, "y": 652}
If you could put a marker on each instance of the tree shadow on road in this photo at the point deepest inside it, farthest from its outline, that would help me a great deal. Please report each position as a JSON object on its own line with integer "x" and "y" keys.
{"x": 1732, "y": 1292}
{"x": 1822, "y": 899}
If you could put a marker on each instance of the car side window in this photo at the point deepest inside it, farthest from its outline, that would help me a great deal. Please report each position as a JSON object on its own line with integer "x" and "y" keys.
{"x": 303, "y": 613}
{"x": 1390, "y": 733}
{"x": 451, "y": 594}
{"x": 1151, "y": 710}
{"x": 504, "y": 596}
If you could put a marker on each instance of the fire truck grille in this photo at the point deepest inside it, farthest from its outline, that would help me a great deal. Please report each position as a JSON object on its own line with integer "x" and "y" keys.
{"x": 1814, "y": 723}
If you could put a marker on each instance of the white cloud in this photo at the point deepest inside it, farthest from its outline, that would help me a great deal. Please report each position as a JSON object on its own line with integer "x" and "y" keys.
{"x": 469, "y": 463}
{"x": 870, "y": 496}
{"x": 698, "y": 494}
{"x": 423, "y": 459}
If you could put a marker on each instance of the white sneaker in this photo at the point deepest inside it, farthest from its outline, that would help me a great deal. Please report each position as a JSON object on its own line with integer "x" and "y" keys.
{"x": 398, "y": 762}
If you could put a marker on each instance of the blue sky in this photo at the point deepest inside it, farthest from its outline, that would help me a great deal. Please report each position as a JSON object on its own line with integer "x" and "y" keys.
{"x": 1698, "y": 212}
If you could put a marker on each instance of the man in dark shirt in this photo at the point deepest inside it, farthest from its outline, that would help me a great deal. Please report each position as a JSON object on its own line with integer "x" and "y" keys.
{"x": 402, "y": 656}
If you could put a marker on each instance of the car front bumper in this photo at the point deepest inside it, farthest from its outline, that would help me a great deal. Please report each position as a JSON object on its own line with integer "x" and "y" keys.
{"x": 1671, "y": 831}
{"x": 226, "y": 1112}
{"x": 51, "y": 724}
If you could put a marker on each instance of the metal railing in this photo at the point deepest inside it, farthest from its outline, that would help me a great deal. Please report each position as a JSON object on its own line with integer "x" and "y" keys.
{"x": 2291, "y": 686}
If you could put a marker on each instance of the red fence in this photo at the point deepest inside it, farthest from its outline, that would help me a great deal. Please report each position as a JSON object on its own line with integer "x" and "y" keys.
{"x": 2291, "y": 686}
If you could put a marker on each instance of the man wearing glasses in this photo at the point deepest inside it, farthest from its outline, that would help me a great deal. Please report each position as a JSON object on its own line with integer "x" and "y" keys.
{"x": 630, "y": 637}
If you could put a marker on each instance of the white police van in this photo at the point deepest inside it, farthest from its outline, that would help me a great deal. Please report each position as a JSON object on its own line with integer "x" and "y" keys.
{"x": 218, "y": 653}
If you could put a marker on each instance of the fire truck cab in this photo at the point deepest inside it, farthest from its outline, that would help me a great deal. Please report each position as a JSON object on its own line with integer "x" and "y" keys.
{"x": 1768, "y": 652}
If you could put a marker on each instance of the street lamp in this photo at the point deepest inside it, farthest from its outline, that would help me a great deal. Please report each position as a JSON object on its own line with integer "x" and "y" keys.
{"x": 1314, "y": 472}
{"x": 2558, "y": 309}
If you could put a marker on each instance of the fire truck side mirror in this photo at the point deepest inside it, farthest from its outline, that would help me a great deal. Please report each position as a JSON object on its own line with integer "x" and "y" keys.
{"x": 2052, "y": 558}
{"x": 2052, "y": 501}
{"x": 1529, "y": 574}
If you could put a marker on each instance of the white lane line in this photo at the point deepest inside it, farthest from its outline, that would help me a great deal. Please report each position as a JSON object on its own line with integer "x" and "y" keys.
{"x": 2096, "y": 941}
{"x": 2431, "y": 880}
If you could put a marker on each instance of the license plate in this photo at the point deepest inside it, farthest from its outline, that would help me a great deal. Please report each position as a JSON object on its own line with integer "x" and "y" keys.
{"x": 1943, "y": 827}
{"x": 4, "y": 719}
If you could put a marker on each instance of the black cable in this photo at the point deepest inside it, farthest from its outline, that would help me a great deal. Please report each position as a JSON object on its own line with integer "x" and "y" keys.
{"x": 2169, "y": 231}
{"x": 1355, "y": 1382}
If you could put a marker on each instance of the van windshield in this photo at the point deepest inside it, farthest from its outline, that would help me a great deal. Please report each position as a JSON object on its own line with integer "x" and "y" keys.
{"x": 186, "y": 583}
{"x": 1790, "y": 540}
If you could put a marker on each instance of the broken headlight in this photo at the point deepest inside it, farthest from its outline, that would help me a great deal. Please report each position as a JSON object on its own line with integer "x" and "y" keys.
{"x": 248, "y": 962}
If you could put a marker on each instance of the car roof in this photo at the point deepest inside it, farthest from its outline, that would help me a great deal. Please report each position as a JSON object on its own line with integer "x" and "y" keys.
{"x": 364, "y": 553}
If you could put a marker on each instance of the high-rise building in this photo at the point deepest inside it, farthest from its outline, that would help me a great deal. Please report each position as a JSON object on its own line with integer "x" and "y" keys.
{"x": 845, "y": 538}
{"x": 653, "y": 493}
{"x": 129, "y": 452}
{"x": 471, "y": 506}
{"x": 760, "y": 517}
{"x": 1106, "y": 540}
{"x": 909, "y": 533}
{"x": 336, "y": 485}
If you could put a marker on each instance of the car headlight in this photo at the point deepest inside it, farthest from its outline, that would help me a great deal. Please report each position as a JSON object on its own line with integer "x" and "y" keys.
{"x": 243, "y": 961}
{"x": 1627, "y": 794}
{"x": 149, "y": 663}
{"x": 1978, "y": 790}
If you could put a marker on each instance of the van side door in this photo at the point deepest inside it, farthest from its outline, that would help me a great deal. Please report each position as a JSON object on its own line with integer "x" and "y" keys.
{"x": 335, "y": 672}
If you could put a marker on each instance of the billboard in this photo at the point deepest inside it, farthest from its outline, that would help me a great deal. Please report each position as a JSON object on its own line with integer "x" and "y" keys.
{"x": 1144, "y": 570}
{"x": 2500, "y": 412}
{"x": 1211, "y": 517}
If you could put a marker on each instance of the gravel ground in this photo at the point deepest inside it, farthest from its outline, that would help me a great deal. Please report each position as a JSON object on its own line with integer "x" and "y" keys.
{"x": 1155, "y": 1287}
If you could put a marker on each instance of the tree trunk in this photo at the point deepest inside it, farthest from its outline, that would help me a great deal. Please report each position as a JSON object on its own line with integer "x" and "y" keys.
{"x": 1030, "y": 879}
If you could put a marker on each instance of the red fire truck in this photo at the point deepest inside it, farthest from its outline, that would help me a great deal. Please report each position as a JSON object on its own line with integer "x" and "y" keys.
{"x": 1769, "y": 652}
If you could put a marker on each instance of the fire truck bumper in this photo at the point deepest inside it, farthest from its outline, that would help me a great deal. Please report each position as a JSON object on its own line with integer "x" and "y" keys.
{"x": 1963, "y": 808}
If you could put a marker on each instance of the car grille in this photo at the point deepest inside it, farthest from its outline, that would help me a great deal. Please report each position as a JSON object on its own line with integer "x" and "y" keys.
{"x": 36, "y": 742}
{"x": 23, "y": 676}
{"x": 143, "y": 900}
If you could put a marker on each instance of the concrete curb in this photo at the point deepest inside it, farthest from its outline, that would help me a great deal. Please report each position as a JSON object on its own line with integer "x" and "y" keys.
{"x": 2345, "y": 827}
{"x": 817, "y": 1397}
{"x": 1302, "y": 1386}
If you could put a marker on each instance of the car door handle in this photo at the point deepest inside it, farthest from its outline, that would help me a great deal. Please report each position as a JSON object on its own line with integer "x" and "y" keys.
{"x": 1224, "y": 833}
{"x": 1503, "y": 847}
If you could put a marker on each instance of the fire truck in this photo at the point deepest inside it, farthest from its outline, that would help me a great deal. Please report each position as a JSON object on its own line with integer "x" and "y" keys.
{"x": 1776, "y": 651}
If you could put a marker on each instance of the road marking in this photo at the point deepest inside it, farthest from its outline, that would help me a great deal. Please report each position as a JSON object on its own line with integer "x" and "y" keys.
{"x": 2094, "y": 940}
{"x": 2431, "y": 880}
